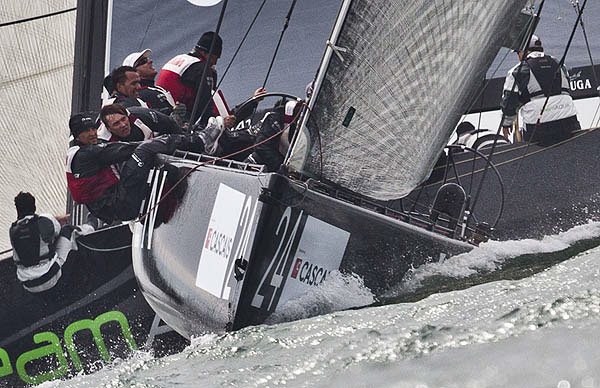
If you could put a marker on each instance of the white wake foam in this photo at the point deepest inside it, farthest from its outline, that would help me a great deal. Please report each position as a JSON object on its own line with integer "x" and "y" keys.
{"x": 338, "y": 292}
{"x": 492, "y": 254}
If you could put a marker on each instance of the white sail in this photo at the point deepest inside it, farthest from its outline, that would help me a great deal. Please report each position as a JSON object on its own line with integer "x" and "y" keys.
{"x": 399, "y": 76}
{"x": 35, "y": 90}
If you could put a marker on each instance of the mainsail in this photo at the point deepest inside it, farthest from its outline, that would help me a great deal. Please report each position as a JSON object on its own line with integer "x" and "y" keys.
{"x": 36, "y": 39}
{"x": 395, "y": 80}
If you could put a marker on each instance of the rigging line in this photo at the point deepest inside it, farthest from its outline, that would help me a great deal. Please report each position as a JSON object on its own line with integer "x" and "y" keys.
{"x": 233, "y": 58}
{"x": 6, "y": 251}
{"x": 201, "y": 164}
{"x": 478, "y": 129}
{"x": 37, "y": 17}
{"x": 531, "y": 29}
{"x": 486, "y": 84}
{"x": 558, "y": 72}
{"x": 285, "y": 26}
{"x": 207, "y": 64}
{"x": 148, "y": 25}
{"x": 94, "y": 249}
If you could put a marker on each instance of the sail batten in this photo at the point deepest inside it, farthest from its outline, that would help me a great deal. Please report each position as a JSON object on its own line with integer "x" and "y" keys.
{"x": 391, "y": 91}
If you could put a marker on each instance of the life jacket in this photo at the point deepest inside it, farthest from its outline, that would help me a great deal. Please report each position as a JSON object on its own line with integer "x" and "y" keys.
{"x": 169, "y": 78}
{"x": 548, "y": 75}
{"x": 86, "y": 189}
{"x": 25, "y": 239}
{"x": 125, "y": 101}
{"x": 158, "y": 98}
{"x": 38, "y": 267}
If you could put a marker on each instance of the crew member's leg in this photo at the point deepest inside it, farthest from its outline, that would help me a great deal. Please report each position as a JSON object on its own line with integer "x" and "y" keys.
{"x": 132, "y": 188}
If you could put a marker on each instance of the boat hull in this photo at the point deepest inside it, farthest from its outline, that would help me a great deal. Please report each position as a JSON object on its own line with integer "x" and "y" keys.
{"x": 280, "y": 239}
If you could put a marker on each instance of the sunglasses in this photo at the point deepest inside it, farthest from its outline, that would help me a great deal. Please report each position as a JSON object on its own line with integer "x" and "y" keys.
{"x": 141, "y": 62}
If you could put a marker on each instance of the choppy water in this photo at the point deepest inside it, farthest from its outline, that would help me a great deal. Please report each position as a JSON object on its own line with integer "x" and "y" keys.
{"x": 512, "y": 314}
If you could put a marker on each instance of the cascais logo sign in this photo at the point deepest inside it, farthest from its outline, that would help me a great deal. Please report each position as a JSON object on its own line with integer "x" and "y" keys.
{"x": 218, "y": 242}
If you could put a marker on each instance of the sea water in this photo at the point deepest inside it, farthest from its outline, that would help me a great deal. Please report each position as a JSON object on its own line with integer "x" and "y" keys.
{"x": 508, "y": 314}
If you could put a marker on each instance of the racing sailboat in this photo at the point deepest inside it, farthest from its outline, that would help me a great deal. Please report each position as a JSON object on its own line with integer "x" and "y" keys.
{"x": 242, "y": 243}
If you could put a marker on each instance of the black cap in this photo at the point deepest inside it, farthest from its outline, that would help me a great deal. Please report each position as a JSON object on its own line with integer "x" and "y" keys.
{"x": 80, "y": 122}
{"x": 205, "y": 41}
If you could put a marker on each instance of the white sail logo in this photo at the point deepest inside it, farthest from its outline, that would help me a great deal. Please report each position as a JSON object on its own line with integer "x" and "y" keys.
{"x": 204, "y": 3}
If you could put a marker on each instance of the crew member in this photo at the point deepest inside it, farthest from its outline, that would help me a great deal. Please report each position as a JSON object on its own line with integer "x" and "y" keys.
{"x": 127, "y": 87}
{"x": 279, "y": 125}
{"x": 135, "y": 123}
{"x": 181, "y": 76}
{"x": 95, "y": 176}
{"x": 537, "y": 78}
{"x": 40, "y": 246}
{"x": 156, "y": 97}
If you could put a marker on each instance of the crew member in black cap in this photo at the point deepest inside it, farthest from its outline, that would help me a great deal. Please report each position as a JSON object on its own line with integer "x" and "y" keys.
{"x": 182, "y": 76}
{"x": 109, "y": 178}
{"x": 539, "y": 77}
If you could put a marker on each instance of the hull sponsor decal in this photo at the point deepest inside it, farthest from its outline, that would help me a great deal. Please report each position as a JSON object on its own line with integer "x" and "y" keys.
{"x": 51, "y": 346}
{"x": 319, "y": 249}
{"x": 226, "y": 239}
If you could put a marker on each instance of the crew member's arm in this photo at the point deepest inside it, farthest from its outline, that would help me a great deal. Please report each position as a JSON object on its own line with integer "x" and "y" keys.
{"x": 158, "y": 122}
{"x": 514, "y": 86}
{"x": 510, "y": 100}
{"x": 243, "y": 114}
{"x": 90, "y": 159}
{"x": 49, "y": 228}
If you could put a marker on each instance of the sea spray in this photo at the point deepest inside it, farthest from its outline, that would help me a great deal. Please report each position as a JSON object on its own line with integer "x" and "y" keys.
{"x": 338, "y": 292}
{"x": 491, "y": 255}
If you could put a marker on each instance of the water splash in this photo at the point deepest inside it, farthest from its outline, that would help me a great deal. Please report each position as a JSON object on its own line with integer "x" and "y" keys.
{"x": 492, "y": 255}
{"x": 338, "y": 292}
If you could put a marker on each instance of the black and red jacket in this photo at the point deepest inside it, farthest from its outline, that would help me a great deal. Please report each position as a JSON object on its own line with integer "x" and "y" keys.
{"x": 93, "y": 173}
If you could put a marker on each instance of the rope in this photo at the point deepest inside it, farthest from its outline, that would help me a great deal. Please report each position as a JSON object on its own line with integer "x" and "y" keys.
{"x": 587, "y": 44}
{"x": 531, "y": 29}
{"x": 233, "y": 58}
{"x": 103, "y": 249}
{"x": 285, "y": 26}
{"x": 207, "y": 63}
{"x": 37, "y": 17}
{"x": 148, "y": 26}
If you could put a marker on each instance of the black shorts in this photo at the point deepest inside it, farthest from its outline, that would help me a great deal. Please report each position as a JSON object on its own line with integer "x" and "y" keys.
{"x": 552, "y": 132}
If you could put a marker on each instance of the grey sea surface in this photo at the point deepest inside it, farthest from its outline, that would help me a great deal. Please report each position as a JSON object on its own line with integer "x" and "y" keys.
{"x": 508, "y": 314}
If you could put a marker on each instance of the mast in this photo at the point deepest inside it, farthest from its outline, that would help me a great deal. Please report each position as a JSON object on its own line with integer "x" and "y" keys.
{"x": 90, "y": 48}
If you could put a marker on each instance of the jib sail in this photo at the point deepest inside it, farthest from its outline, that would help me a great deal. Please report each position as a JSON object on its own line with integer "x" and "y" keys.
{"x": 393, "y": 84}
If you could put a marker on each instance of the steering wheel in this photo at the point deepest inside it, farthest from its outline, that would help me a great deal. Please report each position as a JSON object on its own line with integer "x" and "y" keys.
{"x": 262, "y": 96}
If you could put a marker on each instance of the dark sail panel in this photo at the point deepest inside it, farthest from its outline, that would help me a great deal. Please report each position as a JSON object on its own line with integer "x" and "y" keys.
{"x": 173, "y": 27}
{"x": 398, "y": 80}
